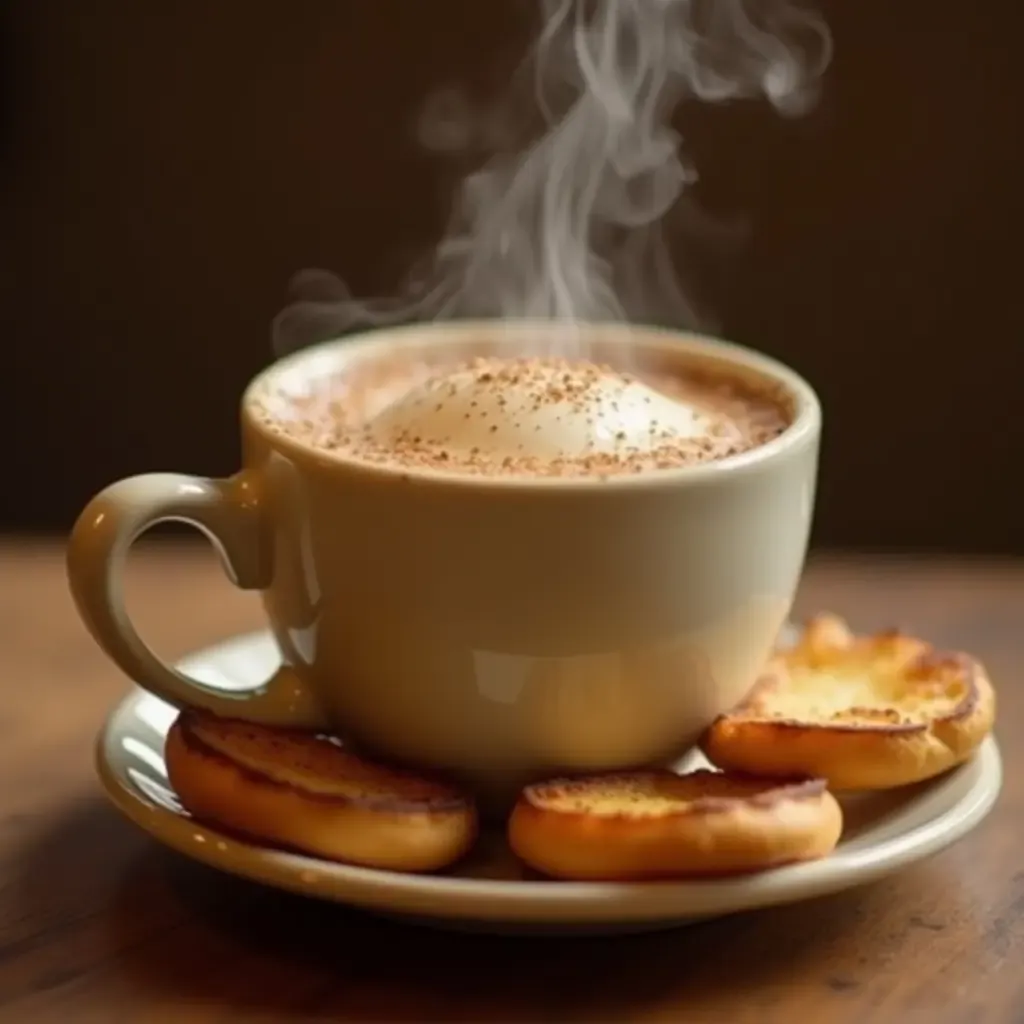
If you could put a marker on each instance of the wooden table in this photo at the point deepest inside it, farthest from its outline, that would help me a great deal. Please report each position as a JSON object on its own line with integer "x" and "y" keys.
{"x": 99, "y": 924}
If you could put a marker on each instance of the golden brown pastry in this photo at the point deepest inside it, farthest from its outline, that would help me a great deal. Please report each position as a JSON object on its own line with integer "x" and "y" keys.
{"x": 868, "y": 712}
{"x": 306, "y": 792}
{"x": 650, "y": 825}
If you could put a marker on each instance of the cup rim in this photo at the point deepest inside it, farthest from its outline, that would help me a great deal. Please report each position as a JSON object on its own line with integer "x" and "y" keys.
{"x": 316, "y": 360}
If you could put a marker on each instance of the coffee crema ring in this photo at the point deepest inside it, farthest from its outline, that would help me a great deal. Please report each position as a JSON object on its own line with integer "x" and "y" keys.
{"x": 862, "y": 712}
{"x": 658, "y": 825}
{"x": 533, "y": 417}
{"x": 305, "y": 792}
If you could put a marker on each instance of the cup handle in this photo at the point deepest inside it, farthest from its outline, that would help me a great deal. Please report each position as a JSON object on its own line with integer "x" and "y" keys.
{"x": 228, "y": 513}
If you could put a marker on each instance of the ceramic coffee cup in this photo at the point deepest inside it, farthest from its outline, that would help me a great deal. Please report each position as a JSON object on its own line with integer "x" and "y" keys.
{"x": 499, "y": 628}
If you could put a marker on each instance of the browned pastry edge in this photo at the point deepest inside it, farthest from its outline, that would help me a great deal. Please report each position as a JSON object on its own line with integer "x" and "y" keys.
{"x": 870, "y": 748}
{"x": 246, "y": 778}
{"x": 659, "y": 825}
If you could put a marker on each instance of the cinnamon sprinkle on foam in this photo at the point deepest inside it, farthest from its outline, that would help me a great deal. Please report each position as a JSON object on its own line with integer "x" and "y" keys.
{"x": 531, "y": 417}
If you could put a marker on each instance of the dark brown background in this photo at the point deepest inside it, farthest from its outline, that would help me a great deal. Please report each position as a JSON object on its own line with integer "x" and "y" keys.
{"x": 165, "y": 166}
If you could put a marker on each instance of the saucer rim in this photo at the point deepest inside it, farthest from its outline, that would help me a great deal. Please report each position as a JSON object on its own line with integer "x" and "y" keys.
{"x": 544, "y": 902}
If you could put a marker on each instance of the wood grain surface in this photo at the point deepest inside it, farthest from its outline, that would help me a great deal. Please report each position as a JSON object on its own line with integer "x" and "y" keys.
{"x": 97, "y": 923}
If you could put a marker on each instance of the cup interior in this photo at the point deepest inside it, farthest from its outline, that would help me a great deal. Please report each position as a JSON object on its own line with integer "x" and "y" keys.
{"x": 627, "y": 347}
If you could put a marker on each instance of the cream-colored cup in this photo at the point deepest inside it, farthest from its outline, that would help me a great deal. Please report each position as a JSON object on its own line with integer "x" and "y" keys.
{"x": 500, "y": 628}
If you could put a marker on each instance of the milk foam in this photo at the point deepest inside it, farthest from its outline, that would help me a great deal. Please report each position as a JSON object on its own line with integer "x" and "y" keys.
{"x": 526, "y": 417}
{"x": 546, "y": 409}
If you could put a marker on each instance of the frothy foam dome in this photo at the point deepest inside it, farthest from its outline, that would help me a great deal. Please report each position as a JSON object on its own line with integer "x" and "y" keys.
{"x": 529, "y": 417}
{"x": 536, "y": 408}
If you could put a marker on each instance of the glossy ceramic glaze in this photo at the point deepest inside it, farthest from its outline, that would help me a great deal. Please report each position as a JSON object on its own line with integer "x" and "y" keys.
{"x": 490, "y": 891}
{"x": 499, "y": 628}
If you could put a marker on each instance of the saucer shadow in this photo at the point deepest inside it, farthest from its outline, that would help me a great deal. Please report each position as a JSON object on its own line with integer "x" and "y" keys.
{"x": 117, "y": 917}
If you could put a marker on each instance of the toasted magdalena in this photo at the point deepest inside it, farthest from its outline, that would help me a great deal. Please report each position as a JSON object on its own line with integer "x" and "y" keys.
{"x": 862, "y": 712}
{"x": 305, "y": 792}
{"x": 649, "y": 825}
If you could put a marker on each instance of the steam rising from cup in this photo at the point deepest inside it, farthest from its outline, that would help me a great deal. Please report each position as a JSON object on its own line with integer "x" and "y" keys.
{"x": 570, "y": 226}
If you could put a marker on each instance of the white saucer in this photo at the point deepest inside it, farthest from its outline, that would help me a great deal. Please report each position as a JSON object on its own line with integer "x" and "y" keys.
{"x": 883, "y": 833}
